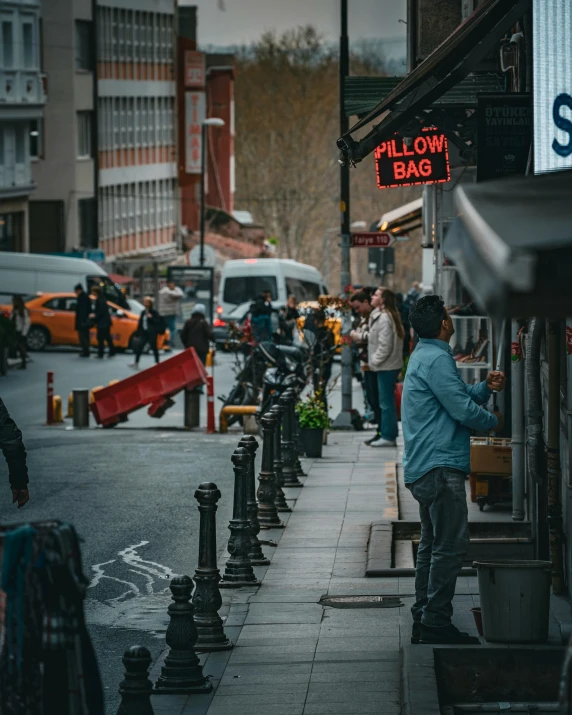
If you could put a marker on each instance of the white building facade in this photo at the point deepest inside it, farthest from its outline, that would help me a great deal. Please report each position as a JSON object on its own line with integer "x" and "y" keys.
{"x": 22, "y": 98}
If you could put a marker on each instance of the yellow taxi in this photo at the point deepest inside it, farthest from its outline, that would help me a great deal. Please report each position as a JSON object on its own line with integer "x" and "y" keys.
{"x": 52, "y": 322}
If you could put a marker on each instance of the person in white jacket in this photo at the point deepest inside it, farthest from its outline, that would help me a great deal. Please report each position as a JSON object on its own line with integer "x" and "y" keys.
{"x": 21, "y": 319}
{"x": 170, "y": 298}
{"x": 385, "y": 358}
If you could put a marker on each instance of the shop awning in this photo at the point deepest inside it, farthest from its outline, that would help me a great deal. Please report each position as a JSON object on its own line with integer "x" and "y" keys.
{"x": 512, "y": 243}
{"x": 363, "y": 94}
{"x": 121, "y": 280}
{"x": 458, "y": 56}
{"x": 401, "y": 221}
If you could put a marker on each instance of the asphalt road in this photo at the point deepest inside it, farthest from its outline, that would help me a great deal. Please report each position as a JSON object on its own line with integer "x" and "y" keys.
{"x": 129, "y": 493}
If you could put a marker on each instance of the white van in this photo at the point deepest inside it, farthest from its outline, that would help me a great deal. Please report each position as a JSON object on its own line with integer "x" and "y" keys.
{"x": 241, "y": 281}
{"x": 31, "y": 273}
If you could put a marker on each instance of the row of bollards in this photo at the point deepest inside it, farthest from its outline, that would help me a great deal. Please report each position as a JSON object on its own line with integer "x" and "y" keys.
{"x": 194, "y": 621}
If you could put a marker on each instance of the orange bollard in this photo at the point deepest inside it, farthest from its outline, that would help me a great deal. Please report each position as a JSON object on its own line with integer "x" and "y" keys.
{"x": 211, "y": 428}
{"x": 50, "y": 396}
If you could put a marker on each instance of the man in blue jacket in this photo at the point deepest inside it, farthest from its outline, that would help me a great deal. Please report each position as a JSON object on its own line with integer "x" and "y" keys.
{"x": 438, "y": 410}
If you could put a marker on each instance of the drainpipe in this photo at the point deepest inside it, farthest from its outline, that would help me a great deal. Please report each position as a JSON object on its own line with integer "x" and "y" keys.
{"x": 517, "y": 422}
{"x": 553, "y": 454}
{"x": 534, "y": 439}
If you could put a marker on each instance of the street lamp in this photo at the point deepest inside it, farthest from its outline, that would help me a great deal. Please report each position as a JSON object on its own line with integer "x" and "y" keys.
{"x": 212, "y": 122}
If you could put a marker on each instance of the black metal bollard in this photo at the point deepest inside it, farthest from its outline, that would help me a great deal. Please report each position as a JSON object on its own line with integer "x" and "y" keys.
{"x": 182, "y": 671}
{"x": 206, "y": 598}
{"x": 136, "y": 688}
{"x": 255, "y": 553}
{"x": 280, "y": 499}
{"x": 267, "y": 513}
{"x": 238, "y": 570}
{"x": 288, "y": 400}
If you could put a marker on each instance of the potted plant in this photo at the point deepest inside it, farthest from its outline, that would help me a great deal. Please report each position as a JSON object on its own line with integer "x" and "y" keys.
{"x": 313, "y": 419}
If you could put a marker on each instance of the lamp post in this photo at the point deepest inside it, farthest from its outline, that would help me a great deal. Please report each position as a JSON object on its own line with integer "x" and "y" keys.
{"x": 212, "y": 122}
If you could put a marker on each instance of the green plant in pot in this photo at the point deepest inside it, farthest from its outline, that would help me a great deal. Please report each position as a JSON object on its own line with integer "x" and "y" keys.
{"x": 313, "y": 419}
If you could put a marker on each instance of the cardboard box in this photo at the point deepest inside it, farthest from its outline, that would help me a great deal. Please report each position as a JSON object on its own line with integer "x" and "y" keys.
{"x": 491, "y": 456}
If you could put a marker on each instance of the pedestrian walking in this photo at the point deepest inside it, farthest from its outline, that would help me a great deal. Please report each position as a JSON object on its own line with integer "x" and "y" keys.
{"x": 83, "y": 322}
{"x": 151, "y": 325}
{"x": 12, "y": 446}
{"x": 21, "y": 319}
{"x": 102, "y": 319}
{"x": 169, "y": 308}
{"x": 438, "y": 411}
{"x": 361, "y": 304}
{"x": 260, "y": 317}
{"x": 289, "y": 315}
{"x": 197, "y": 333}
{"x": 385, "y": 358}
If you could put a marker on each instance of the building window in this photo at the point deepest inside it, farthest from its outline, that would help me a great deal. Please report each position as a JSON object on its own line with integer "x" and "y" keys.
{"x": 28, "y": 46}
{"x": 84, "y": 143}
{"x": 21, "y": 144}
{"x": 7, "y": 44}
{"x": 87, "y": 222}
{"x": 36, "y": 139}
{"x": 84, "y": 45}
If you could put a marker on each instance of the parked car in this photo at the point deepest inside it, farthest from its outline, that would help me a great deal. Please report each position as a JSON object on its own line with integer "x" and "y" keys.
{"x": 52, "y": 318}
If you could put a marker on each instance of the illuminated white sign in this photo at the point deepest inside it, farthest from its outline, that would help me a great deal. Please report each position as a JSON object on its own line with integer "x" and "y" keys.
{"x": 552, "y": 30}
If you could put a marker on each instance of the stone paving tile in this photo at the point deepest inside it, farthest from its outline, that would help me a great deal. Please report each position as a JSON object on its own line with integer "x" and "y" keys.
{"x": 273, "y": 594}
{"x": 299, "y": 653}
{"x": 169, "y": 704}
{"x": 248, "y": 706}
{"x": 276, "y": 633}
{"x": 383, "y": 707}
{"x": 374, "y": 646}
{"x": 262, "y": 613}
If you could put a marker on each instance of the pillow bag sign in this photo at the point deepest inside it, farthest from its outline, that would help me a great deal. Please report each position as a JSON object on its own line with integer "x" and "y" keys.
{"x": 423, "y": 159}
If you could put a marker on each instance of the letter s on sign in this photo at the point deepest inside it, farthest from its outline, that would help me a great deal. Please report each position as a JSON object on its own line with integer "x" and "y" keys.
{"x": 562, "y": 100}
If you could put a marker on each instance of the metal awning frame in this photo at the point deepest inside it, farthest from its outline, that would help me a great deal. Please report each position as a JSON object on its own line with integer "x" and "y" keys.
{"x": 403, "y": 108}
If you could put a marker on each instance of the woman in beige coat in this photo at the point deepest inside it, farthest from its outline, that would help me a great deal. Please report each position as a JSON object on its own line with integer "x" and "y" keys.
{"x": 385, "y": 358}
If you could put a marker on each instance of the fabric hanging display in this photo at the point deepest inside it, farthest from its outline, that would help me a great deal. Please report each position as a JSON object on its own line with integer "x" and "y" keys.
{"x": 47, "y": 660}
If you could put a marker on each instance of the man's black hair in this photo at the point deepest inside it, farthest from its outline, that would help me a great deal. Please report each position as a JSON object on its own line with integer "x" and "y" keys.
{"x": 427, "y": 315}
{"x": 78, "y": 287}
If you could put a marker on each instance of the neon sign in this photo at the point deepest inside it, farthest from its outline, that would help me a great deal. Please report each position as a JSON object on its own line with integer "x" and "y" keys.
{"x": 424, "y": 160}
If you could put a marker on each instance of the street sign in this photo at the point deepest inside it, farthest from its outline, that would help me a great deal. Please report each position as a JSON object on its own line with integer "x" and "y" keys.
{"x": 209, "y": 256}
{"x": 95, "y": 254}
{"x": 420, "y": 160}
{"x": 380, "y": 239}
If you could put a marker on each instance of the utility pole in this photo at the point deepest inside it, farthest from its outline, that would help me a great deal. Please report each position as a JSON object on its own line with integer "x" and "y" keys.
{"x": 344, "y": 419}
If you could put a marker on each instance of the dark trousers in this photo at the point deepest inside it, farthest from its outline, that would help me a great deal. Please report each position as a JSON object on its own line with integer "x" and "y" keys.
{"x": 22, "y": 348}
{"x": 84, "y": 341}
{"x": 444, "y": 542}
{"x": 372, "y": 392}
{"x": 104, "y": 336}
{"x": 146, "y": 338}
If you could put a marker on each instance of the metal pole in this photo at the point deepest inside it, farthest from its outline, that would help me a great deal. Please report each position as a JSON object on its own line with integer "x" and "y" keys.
{"x": 517, "y": 396}
{"x": 343, "y": 420}
{"x": 50, "y": 398}
{"x": 81, "y": 407}
{"x": 202, "y": 216}
{"x": 136, "y": 688}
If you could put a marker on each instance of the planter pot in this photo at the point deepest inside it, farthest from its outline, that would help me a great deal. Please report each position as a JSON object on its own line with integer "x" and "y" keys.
{"x": 312, "y": 440}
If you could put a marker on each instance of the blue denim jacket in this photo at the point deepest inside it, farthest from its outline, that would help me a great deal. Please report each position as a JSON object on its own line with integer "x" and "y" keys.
{"x": 438, "y": 410}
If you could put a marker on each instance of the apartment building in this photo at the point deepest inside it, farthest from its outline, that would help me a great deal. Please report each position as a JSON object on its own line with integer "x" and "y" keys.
{"x": 107, "y": 174}
{"x": 22, "y": 98}
{"x": 138, "y": 206}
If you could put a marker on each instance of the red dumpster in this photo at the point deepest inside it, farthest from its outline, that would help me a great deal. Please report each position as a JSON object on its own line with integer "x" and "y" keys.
{"x": 154, "y": 387}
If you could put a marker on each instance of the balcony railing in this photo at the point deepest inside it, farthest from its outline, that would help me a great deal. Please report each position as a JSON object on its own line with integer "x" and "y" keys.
{"x": 22, "y": 87}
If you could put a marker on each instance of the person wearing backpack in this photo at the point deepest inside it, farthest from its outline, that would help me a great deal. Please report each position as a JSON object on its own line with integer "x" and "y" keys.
{"x": 151, "y": 325}
{"x": 197, "y": 333}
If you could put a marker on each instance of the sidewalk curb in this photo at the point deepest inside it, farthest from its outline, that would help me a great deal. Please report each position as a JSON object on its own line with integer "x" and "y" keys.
{"x": 419, "y": 693}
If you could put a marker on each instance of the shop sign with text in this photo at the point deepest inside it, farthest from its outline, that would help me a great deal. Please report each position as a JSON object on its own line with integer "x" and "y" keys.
{"x": 194, "y": 116}
{"x": 194, "y": 69}
{"x": 372, "y": 239}
{"x": 423, "y": 159}
{"x": 504, "y": 133}
{"x": 552, "y": 82}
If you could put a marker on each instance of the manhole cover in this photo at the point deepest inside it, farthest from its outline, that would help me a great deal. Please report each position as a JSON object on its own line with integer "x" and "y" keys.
{"x": 361, "y": 601}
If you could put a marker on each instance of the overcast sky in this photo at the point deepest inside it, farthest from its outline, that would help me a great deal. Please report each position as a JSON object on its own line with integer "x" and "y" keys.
{"x": 244, "y": 21}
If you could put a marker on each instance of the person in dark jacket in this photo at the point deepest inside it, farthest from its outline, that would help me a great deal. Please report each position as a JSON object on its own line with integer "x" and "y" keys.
{"x": 290, "y": 315}
{"x": 102, "y": 319}
{"x": 151, "y": 325}
{"x": 260, "y": 320}
{"x": 14, "y": 452}
{"x": 82, "y": 322}
{"x": 197, "y": 333}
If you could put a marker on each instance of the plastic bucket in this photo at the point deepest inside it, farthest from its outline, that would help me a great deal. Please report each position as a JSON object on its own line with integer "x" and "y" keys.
{"x": 515, "y": 600}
